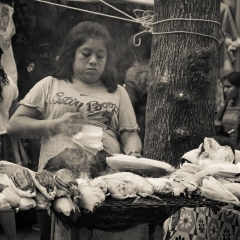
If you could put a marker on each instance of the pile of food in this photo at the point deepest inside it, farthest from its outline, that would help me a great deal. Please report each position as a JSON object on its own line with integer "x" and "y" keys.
{"x": 21, "y": 188}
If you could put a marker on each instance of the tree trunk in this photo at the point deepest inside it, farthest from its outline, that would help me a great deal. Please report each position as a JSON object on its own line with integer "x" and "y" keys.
{"x": 183, "y": 76}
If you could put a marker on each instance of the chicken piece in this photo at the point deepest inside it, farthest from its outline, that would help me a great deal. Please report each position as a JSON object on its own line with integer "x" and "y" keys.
{"x": 144, "y": 188}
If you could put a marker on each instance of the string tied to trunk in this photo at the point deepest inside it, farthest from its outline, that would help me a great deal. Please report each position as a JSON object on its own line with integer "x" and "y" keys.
{"x": 146, "y": 20}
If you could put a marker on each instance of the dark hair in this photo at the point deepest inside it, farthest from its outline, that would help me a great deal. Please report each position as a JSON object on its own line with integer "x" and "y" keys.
{"x": 3, "y": 77}
{"x": 77, "y": 36}
{"x": 144, "y": 48}
{"x": 233, "y": 78}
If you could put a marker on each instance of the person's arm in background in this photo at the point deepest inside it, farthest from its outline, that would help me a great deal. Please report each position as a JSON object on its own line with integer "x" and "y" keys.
{"x": 128, "y": 127}
{"x": 130, "y": 85}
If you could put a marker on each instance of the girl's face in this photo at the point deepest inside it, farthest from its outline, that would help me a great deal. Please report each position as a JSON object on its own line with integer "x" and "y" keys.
{"x": 90, "y": 59}
{"x": 230, "y": 91}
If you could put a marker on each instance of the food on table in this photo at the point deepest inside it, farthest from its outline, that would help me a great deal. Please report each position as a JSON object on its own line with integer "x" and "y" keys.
{"x": 142, "y": 187}
{"x": 11, "y": 197}
{"x": 117, "y": 188}
{"x": 4, "y": 179}
{"x": 22, "y": 183}
{"x": 67, "y": 184}
{"x": 213, "y": 189}
{"x": 45, "y": 183}
{"x": 123, "y": 162}
{"x": 234, "y": 188}
{"x": 186, "y": 170}
{"x": 8, "y": 167}
{"x": 81, "y": 181}
{"x": 92, "y": 197}
{"x": 64, "y": 205}
{"x": 4, "y": 205}
{"x": 26, "y": 203}
{"x": 96, "y": 182}
{"x": 162, "y": 186}
{"x": 42, "y": 202}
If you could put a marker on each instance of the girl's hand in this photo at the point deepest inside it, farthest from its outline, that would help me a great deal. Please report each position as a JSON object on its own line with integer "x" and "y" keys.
{"x": 135, "y": 154}
{"x": 71, "y": 123}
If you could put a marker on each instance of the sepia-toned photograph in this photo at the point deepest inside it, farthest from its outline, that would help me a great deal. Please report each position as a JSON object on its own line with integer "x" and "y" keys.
{"x": 119, "y": 119}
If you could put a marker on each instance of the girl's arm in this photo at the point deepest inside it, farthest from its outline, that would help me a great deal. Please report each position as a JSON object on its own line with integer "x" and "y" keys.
{"x": 26, "y": 123}
{"x": 131, "y": 143}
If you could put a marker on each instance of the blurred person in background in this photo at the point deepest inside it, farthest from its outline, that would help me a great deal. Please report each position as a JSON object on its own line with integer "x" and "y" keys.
{"x": 229, "y": 115}
{"x": 136, "y": 78}
{"x": 8, "y": 105}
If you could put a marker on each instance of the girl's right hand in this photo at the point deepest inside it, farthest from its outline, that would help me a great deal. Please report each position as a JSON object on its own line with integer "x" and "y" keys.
{"x": 71, "y": 123}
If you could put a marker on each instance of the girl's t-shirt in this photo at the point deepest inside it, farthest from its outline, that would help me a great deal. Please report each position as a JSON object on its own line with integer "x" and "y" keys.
{"x": 53, "y": 98}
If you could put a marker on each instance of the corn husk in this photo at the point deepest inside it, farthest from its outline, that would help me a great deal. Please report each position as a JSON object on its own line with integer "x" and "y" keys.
{"x": 92, "y": 197}
{"x": 21, "y": 182}
{"x": 147, "y": 166}
{"x": 48, "y": 180}
{"x": 11, "y": 197}
{"x": 4, "y": 205}
{"x": 234, "y": 188}
{"x": 213, "y": 189}
{"x": 99, "y": 183}
{"x": 64, "y": 205}
{"x": 162, "y": 186}
{"x": 26, "y": 203}
{"x": 42, "y": 202}
{"x": 8, "y": 168}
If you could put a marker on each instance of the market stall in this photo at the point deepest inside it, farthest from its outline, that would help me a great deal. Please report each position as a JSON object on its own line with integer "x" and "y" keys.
{"x": 181, "y": 202}
{"x": 142, "y": 220}
{"x": 122, "y": 208}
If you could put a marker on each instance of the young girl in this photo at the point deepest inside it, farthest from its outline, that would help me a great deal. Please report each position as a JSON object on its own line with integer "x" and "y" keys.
{"x": 84, "y": 90}
{"x": 229, "y": 115}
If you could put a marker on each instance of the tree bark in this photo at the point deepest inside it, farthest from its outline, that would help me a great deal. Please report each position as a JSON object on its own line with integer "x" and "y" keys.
{"x": 182, "y": 80}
